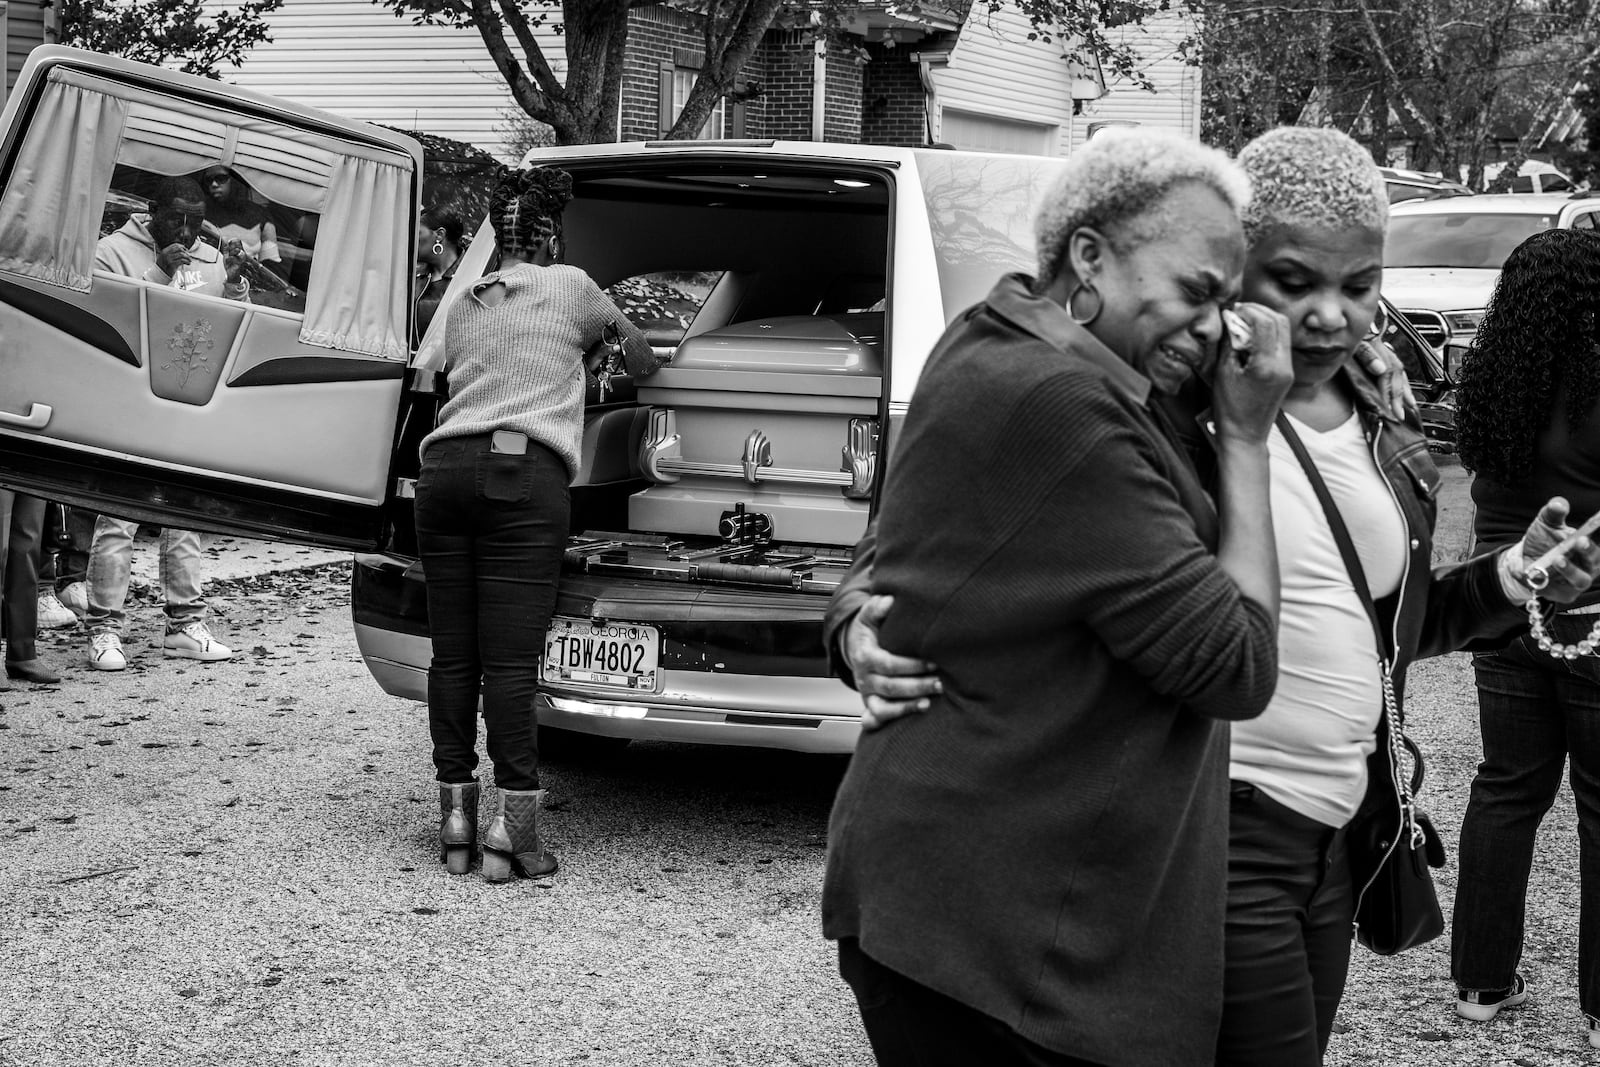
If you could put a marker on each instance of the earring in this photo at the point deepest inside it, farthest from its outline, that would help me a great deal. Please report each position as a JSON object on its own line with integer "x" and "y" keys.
{"x": 1072, "y": 299}
{"x": 1380, "y": 326}
{"x": 438, "y": 248}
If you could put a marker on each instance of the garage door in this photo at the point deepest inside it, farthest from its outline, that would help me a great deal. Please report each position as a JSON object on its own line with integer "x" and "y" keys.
{"x": 990, "y": 133}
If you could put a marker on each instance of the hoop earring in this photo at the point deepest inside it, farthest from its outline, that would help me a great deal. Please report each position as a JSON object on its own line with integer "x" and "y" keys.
{"x": 1072, "y": 298}
{"x": 438, "y": 248}
{"x": 1380, "y": 326}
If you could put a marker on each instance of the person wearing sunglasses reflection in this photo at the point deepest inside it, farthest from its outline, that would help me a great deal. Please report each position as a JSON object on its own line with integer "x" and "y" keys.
{"x": 164, "y": 247}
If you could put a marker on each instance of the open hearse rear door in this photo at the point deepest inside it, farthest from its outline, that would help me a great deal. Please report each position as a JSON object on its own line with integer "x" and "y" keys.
{"x": 272, "y": 416}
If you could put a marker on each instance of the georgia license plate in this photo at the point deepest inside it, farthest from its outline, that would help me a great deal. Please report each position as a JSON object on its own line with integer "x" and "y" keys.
{"x": 622, "y": 655}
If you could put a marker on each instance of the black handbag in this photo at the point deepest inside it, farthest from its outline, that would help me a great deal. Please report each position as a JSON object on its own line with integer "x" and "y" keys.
{"x": 1397, "y": 907}
{"x": 1391, "y": 845}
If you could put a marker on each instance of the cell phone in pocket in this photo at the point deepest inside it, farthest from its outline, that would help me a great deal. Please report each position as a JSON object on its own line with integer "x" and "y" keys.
{"x": 508, "y": 443}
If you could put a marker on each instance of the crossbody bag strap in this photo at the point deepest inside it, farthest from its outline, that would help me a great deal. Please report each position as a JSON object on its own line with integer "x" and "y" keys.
{"x": 1341, "y": 532}
{"x": 1398, "y": 742}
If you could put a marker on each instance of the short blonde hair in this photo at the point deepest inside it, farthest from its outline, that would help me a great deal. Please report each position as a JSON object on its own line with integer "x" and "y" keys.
{"x": 1303, "y": 175}
{"x": 1118, "y": 178}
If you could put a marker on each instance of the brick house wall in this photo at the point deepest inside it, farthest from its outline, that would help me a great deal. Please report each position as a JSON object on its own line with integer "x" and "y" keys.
{"x": 782, "y": 64}
{"x": 893, "y": 109}
{"x": 662, "y": 39}
{"x": 841, "y": 112}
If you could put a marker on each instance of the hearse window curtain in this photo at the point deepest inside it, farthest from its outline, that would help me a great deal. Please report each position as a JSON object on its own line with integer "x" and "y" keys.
{"x": 356, "y": 300}
{"x": 50, "y": 210}
{"x": 171, "y": 135}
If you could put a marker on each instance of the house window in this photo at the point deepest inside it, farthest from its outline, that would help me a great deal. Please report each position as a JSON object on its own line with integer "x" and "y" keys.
{"x": 676, "y": 84}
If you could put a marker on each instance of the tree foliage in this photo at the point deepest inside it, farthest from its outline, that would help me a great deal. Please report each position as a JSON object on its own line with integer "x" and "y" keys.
{"x": 582, "y": 107}
{"x": 167, "y": 32}
{"x": 1450, "y": 78}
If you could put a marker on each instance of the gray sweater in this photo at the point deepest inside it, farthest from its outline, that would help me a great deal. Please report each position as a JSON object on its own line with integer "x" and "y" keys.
{"x": 518, "y": 365}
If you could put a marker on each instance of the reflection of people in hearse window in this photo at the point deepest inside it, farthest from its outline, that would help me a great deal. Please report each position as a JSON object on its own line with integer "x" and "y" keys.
{"x": 439, "y": 235}
{"x": 165, "y": 247}
{"x": 239, "y": 218}
{"x": 243, "y": 228}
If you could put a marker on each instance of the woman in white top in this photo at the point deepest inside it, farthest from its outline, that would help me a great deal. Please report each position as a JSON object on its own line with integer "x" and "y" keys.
{"x": 1315, "y": 229}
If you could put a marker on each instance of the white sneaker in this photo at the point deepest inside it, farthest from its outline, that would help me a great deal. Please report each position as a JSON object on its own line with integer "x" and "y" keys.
{"x": 1482, "y": 1005}
{"x": 105, "y": 652}
{"x": 53, "y": 614}
{"x": 194, "y": 641}
{"x": 75, "y": 598}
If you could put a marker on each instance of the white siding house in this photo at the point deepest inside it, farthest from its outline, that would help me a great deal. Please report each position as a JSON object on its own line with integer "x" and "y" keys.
{"x": 994, "y": 90}
{"x": 999, "y": 91}
{"x": 24, "y": 24}
{"x": 1175, "y": 103}
{"x": 356, "y": 59}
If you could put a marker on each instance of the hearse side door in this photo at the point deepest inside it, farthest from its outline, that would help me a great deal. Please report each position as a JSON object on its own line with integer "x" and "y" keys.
{"x": 273, "y": 416}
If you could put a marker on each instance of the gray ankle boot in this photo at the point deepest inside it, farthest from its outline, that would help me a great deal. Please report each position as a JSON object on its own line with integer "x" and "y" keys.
{"x": 458, "y": 824}
{"x": 512, "y": 842}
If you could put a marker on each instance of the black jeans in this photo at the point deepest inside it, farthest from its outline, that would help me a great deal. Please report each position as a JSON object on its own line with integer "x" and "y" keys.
{"x": 20, "y": 535}
{"x": 72, "y": 560}
{"x": 490, "y": 530}
{"x": 910, "y": 1025}
{"x": 1535, "y": 712}
{"x": 1290, "y": 910}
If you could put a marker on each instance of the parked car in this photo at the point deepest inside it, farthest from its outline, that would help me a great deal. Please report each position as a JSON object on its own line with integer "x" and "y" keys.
{"x": 1406, "y": 185}
{"x": 1533, "y": 176}
{"x": 1432, "y": 386}
{"x": 1443, "y": 257}
{"x": 800, "y": 288}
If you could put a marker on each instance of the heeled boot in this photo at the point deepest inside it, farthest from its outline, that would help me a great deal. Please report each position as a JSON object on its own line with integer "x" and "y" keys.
{"x": 458, "y": 824}
{"x": 512, "y": 841}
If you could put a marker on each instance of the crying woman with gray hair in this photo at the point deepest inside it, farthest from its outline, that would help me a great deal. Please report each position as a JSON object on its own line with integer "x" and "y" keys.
{"x": 492, "y": 511}
{"x": 1338, "y": 490}
{"x": 1033, "y": 872}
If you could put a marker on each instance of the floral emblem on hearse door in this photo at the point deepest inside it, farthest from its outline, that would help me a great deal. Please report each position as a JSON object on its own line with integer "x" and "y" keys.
{"x": 191, "y": 344}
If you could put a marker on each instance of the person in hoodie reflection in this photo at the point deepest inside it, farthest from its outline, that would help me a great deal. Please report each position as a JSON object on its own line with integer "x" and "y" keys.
{"x": 163, "y": 248}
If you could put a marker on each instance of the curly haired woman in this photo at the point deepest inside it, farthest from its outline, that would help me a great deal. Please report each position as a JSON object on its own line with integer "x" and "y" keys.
{"x": 1528, "y": 430}
{"x": 492, "y": 511}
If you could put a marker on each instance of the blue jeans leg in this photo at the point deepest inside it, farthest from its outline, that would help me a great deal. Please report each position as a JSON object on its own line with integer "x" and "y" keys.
{"x": 182, "y": 570}
{"x": 1534, "y": 711}
{"x": 110, "y": 565}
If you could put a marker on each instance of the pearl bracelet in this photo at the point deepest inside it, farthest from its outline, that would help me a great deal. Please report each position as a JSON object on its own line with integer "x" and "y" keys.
{"x": 1542, "y": 638}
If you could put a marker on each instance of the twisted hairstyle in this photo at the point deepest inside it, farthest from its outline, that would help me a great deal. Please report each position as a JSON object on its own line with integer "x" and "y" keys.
{"x": 526, "y": 207}
{"x": 1538, "y": 342}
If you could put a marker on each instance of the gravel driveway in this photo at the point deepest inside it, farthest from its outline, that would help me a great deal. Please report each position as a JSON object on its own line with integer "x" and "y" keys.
{"x": 233, "y": 864}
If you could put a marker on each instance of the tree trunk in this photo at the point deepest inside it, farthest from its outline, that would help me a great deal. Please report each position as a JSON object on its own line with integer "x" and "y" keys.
{"x": 596, "y": 34}
{"x": 732, "y": 31}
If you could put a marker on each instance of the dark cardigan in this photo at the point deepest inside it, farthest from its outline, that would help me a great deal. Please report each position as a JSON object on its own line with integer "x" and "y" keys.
{"x": 1049, "y": 845}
